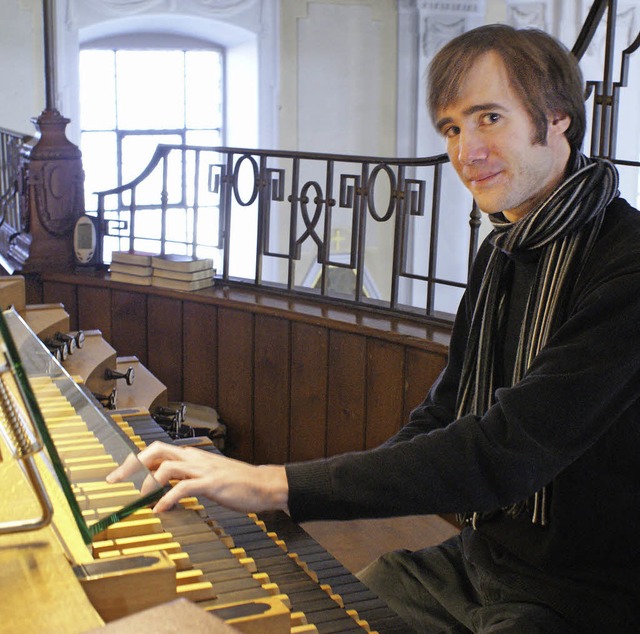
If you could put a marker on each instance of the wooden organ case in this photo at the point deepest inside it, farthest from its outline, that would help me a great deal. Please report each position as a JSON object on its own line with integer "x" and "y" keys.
{"x": 95, "y": 554}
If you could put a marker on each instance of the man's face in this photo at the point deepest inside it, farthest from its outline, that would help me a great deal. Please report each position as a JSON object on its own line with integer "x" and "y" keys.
{"x": 489, "y": 137}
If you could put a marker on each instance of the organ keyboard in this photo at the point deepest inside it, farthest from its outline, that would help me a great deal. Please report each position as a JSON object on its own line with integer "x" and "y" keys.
{"x": 240, "y": 568}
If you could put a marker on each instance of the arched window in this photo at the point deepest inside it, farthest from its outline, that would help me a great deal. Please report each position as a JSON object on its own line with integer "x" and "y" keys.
{"x": 108, "y": 37}
{"x": 138, "y": 91}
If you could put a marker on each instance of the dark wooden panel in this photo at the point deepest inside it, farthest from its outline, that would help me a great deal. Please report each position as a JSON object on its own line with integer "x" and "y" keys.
{"x": 65, "y": 294}
{"x": 385, "y": 390}
{"x": 33, "y": 289}
{"x": 94, "y": 310}
{"x": 346, "y": 404}
{"x": 200, "y": 351}
{"x": 164, "y": 337}
{"x": 309, "y": 362}
{"x": 421, "y": 370}
{"x": 235, "y": 379}
{"x": 272, "y": 386}
{"x": 129, "y": 325}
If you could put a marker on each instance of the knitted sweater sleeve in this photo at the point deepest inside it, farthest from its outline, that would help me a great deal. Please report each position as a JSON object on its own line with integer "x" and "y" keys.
{"x": 310, "y": 482}
{"x": 574, "y": 395}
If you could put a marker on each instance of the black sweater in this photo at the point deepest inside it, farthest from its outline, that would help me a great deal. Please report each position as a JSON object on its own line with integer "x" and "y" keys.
{"x": 572, "y": 421}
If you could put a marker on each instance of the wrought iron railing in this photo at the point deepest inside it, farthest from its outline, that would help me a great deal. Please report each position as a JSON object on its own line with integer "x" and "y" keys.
{"x": 297, "y": 222}
{"x": 606, "y": 91}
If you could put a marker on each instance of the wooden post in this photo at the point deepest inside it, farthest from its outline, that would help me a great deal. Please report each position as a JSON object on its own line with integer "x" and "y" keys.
{"x": 55, "y": 178}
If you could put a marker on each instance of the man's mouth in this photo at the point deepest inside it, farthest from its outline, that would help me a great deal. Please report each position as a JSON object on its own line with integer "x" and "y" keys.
{"x": 484, "y": 178}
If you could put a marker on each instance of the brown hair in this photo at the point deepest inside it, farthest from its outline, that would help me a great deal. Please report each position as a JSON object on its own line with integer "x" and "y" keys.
{"x": 543, "y": 72}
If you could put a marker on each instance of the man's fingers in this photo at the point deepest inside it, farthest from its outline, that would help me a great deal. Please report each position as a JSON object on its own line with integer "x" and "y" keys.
{"x": 174, "y": 470}
{"x": 149, "y": 485}
{"x": 183, "y": 489}
{"x": 157, "y": 452}
{"x": 130, "y": 466}
{"x": 151, "y": 457}
{"x": 231, "y": 483}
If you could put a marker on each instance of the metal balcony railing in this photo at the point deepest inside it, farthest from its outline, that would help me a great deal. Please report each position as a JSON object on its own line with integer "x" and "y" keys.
{"x": 354, "y": 229}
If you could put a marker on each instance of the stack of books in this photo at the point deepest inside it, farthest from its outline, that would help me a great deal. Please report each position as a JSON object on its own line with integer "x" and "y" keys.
{"x": 132, "y": 267}
{"x": 182, "y": 272}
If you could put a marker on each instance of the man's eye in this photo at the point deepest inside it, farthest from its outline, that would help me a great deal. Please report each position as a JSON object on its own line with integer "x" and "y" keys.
{"x": 451, "y": 131}
{"x": 490, "y": 117}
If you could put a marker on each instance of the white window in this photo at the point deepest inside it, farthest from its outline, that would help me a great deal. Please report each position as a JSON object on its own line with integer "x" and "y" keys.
{"x": 132, "y": 99}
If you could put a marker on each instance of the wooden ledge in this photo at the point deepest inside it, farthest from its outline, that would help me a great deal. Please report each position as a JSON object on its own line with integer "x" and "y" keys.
{"x": 423, "y": 334}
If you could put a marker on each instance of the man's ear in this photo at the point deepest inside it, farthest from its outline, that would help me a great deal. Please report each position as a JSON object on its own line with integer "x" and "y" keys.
{"x": 559, "y": 123}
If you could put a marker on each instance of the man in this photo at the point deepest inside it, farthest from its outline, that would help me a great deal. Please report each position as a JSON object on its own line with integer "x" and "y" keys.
{"x": 532, "y": 431}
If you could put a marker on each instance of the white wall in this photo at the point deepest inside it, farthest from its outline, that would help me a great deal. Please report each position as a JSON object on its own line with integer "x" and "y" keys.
{"x": 339, "y": 60}
{"x": 21, "y": 64}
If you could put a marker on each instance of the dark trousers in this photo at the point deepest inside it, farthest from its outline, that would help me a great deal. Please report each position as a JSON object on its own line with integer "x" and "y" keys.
{"x": 439, "y": 590}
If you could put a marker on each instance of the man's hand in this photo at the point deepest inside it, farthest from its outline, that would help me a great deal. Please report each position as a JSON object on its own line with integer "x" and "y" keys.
{"x": 234, "y": 484}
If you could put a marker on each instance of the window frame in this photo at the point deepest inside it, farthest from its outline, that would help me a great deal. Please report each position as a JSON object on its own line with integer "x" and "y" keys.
{"x": 159, "y": 42}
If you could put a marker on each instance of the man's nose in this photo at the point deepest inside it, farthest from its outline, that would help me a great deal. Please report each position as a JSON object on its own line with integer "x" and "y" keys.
{"x": 472, "y": 147}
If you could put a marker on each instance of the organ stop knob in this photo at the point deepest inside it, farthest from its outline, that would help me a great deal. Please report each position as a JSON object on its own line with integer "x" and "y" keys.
{"x": 128, "y": 376}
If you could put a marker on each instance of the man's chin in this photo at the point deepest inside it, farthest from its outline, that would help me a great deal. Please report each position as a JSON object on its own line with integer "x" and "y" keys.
{"x": 488, "y": 210}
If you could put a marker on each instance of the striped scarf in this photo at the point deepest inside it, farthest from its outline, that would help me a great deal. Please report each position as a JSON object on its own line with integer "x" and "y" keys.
{"x": 563, "y": 229}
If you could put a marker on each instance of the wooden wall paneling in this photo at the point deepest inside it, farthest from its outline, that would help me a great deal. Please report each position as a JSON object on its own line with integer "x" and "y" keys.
{"x": 200, "y": 354}
{"x": 65, "y": 294}
{"x": 235, "y": 379}
{"x": 309, "y": 369}
{"x": 422, "y": 368}
{"x": 33, "y": 289}
{"x": 347, "y": 393}
{"x": 94, "y": 310}
{"x": 272, "y": 387}
{"x": 129, "y": 325}
{"x": 385, "y": 390}
{"x": 164, "y": 342}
